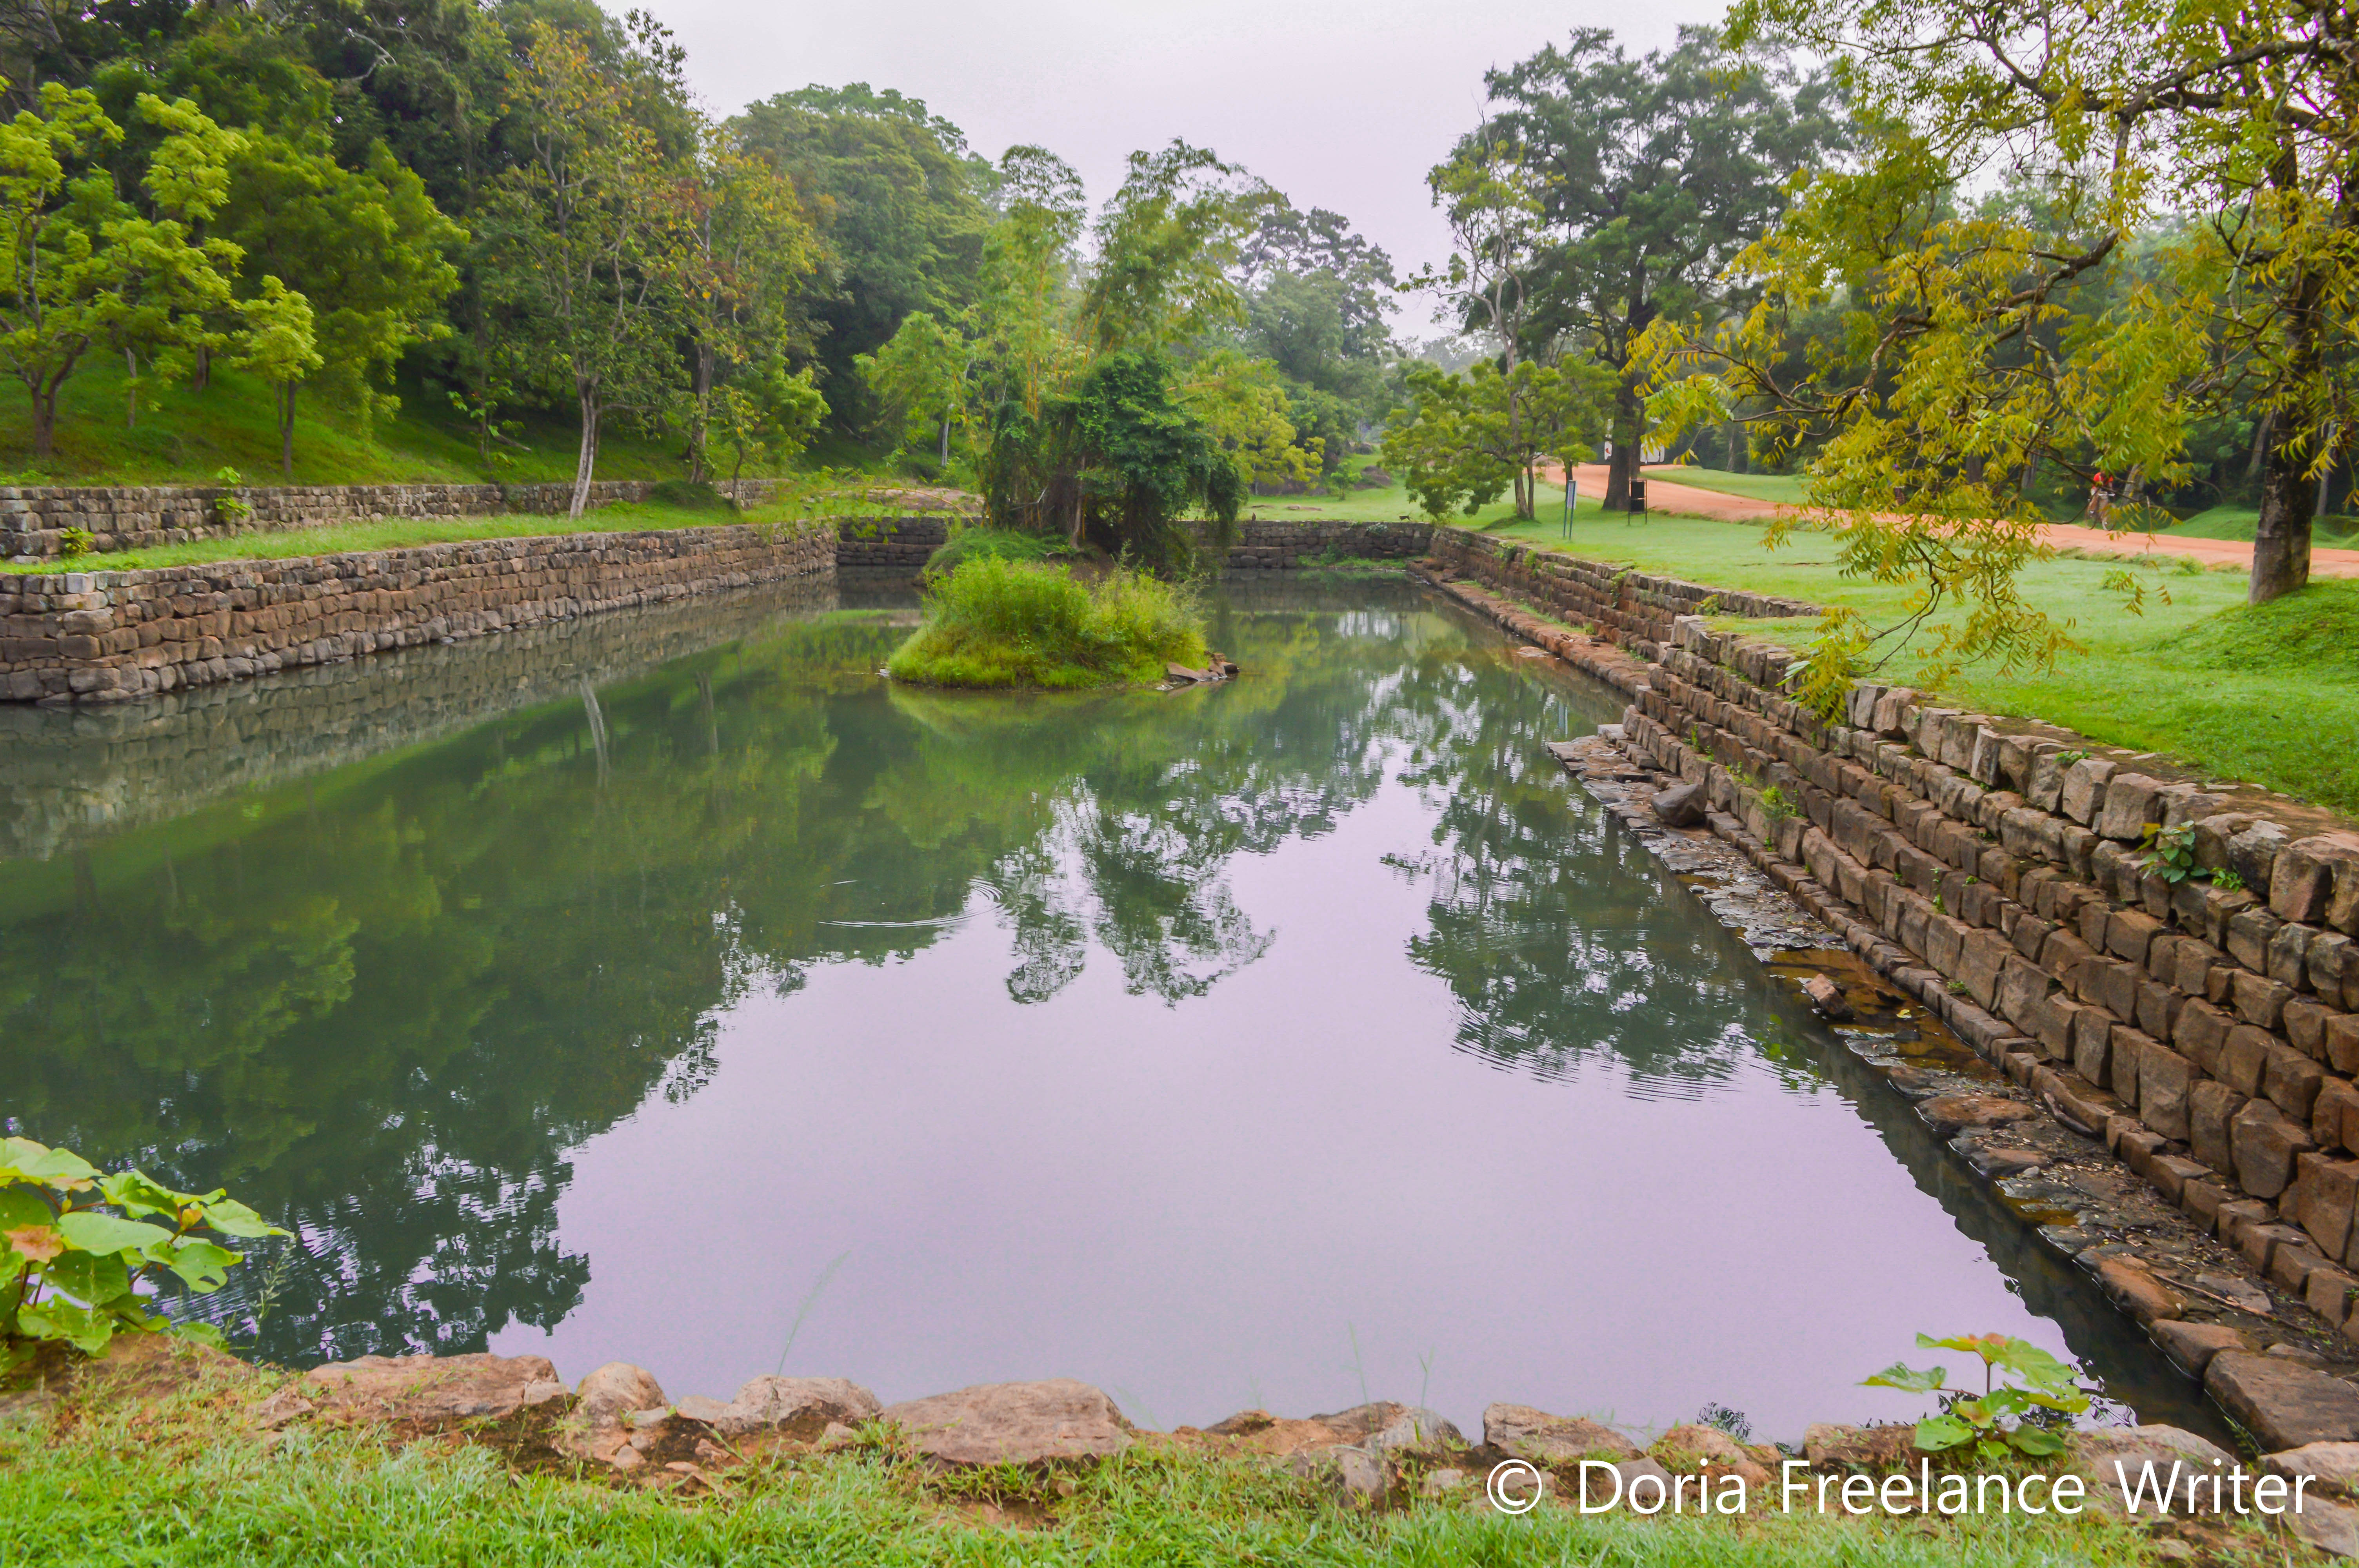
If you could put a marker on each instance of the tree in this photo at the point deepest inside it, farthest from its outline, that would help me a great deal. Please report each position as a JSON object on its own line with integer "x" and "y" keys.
{"x": 2119, "y": 115}
{"x": 1166, "y": 242}
{"x": 1489, "y": 196}
{"x": 1646, "y": 177}
{"x": 746, "y": 247}
{"x": 899, "y": 204}
{"x": 920, "y": 379}
{"x": 1244, "y": 404}
{"x": 1117, "y": 460}
{"x": 1028, "y": 278}
{"x": 1463, "y": 439}
{"x": 1317, "y": 297}
{"x": 83, "y": 266}
{"x": 585, "y": 229}
{"x": 367, "y": 250}
{"x": 772, "y": 410}
{"x": 279, "y": 345}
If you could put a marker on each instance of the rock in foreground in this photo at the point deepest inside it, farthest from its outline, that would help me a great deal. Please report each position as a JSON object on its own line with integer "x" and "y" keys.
{"x": 1015, "y": 1424}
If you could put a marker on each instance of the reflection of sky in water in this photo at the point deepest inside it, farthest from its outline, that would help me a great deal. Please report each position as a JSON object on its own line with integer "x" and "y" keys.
{"x": 1232, "y": 1047}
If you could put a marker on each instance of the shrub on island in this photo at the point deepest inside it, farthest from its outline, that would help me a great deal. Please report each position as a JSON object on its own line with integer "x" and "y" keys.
{"x": 1005, "y": 624}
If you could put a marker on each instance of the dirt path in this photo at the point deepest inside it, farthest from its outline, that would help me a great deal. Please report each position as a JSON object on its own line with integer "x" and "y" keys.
{"x": 1664, "y": 495}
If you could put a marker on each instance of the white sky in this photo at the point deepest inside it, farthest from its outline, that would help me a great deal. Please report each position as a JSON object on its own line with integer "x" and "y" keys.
{"x": 1339, "y": 103}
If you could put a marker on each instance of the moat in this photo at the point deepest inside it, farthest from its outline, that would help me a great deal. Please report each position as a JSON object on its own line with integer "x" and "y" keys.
{"x": 680, "y": 990}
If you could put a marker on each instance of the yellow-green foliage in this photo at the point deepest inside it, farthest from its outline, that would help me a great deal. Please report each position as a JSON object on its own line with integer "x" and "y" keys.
{"x": 1001, "y": 623}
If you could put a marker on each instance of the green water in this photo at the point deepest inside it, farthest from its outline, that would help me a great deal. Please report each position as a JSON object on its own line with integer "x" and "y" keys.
{"x": 679, "y": 991}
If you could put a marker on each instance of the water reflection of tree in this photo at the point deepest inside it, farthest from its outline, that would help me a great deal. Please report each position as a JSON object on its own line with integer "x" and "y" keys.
{"x": 383, "y": 1004}
{"x": 1554, "y": 965}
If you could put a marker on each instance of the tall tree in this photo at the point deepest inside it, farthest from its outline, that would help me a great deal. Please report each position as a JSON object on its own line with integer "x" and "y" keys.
{"x": 745, "y": 248}
{"x": 1166, "y": 242}
{"x": 585, "y": 234}
{"x": 1979, "y": 345}
{"x": 899, "y": 204}
{"x": 1649, "y": 175}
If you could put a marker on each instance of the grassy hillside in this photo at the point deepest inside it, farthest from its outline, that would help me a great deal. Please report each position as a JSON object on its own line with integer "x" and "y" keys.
{"x": 183, "y": 436}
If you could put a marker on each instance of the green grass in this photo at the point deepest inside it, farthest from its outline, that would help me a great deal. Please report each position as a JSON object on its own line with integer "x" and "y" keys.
{"x": 1784, "y": 489}
{"x": 2240, "y": 522}
{"x": 2265, "y": 695}
{"x": 973, "y": 542}
{"x": 1007, "y": 624}
{"x": 402, "y": 532}
{"x": 184, "y": 435}
{"x": 188, "y": 1486}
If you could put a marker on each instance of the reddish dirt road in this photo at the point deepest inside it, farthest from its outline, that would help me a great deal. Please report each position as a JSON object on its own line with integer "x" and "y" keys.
{"x": 1667, "y": 495}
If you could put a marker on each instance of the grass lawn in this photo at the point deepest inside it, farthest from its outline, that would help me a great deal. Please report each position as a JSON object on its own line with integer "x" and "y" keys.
{"x": 1783, "y": 488}
{"x": 401, "y": 533}
{"x": 2269, "y": 696}
{"x": 197, "y": 1488}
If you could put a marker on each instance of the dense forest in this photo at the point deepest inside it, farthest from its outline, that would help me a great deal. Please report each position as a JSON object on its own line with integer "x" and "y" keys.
{"x": 518, "y": 207}
{"x": 1921, "y": 293}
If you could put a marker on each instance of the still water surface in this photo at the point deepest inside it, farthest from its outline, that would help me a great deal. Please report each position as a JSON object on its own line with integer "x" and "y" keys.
{"x": 1284, "y": 1044}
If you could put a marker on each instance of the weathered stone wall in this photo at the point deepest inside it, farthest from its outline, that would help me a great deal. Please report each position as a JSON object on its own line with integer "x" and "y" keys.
{"x": 888, "y": 546}
{"x": 110, "y": 636}
{"x": 1266, "y": 545}
{"x": 70, "y": 775}
{"x": 33, "y": 519}
{"x": 1615, "y": 599}
{"x": 2208, "y": 1029}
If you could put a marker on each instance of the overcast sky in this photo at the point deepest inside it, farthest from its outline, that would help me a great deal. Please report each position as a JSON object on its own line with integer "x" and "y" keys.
{"x": 1339, "y": 104}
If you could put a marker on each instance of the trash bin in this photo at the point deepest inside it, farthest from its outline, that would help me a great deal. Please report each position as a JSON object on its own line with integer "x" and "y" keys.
{"x": 1637, "y": 495}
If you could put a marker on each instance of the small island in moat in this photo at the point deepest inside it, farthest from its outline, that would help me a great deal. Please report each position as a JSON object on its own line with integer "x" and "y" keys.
{"x": 1004, "y": 624}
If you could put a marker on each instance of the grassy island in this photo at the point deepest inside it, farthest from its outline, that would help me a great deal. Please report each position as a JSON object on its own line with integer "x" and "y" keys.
{"x": 1005, "y": 624}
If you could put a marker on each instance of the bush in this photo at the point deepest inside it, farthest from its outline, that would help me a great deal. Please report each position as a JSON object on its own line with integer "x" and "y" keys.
{"x": 688, "y": 495}
{"x": 1001, "y": 623}
{"x": 86, "y": 1254}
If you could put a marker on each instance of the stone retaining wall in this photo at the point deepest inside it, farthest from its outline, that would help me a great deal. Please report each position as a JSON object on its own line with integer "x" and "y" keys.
{"x": 1263, "y": 545}
{"x": 70, "y": 775}
{"x": 889, "y": 545}
{"x": 1616, "y": 598}
{"x": 1992, "y": 866}
{"x": 34, "y": 518}
{"x": 110, "y": 636}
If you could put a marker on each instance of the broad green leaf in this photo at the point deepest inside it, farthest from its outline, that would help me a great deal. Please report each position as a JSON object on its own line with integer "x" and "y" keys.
{"x": 95, "y": 1232}
{"x": 86, "y": 1330}
{"x": 201, "y": 1264}
{"x": 51, "y": 1167}
{"x": 233, "y": 1218}
{"x": 1900, "y": 1375}
{"x": 2036, "y": 1440}
{"x": 1936, "y": 1432}
{"x": 135, "y": 1192}
{"x": 93, "y": 1279}
{"x": 202, "y": 1333}
{"x": 23, "y": 1206}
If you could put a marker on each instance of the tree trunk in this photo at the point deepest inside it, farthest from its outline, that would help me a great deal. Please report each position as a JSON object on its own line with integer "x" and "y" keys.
{"x": 45, "y": 421}
{"x": 1622, "y": 465}
{"x": 2281, "y": 541}
{"x": 130, "y": 390}
{"x": 946, "y": 440}
{"x": 286, "y": 429}
{"x": 586, "y": 463}
{"x": 698, "y": 430}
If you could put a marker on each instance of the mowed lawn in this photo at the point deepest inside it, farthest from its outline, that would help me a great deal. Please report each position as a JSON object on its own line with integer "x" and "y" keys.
{"x": 2268, "y": 696}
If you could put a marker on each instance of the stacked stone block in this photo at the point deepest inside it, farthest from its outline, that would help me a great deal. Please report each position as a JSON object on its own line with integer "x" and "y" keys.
{"x": 894, "y": 546}
{"x": 1278, "y": 547}
{"x": 1998, "y": 868}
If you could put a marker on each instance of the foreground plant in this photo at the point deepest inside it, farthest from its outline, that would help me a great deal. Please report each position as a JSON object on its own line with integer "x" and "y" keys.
{"x": 2004, "y": 1416}
{"x": 85, "y": 1255}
